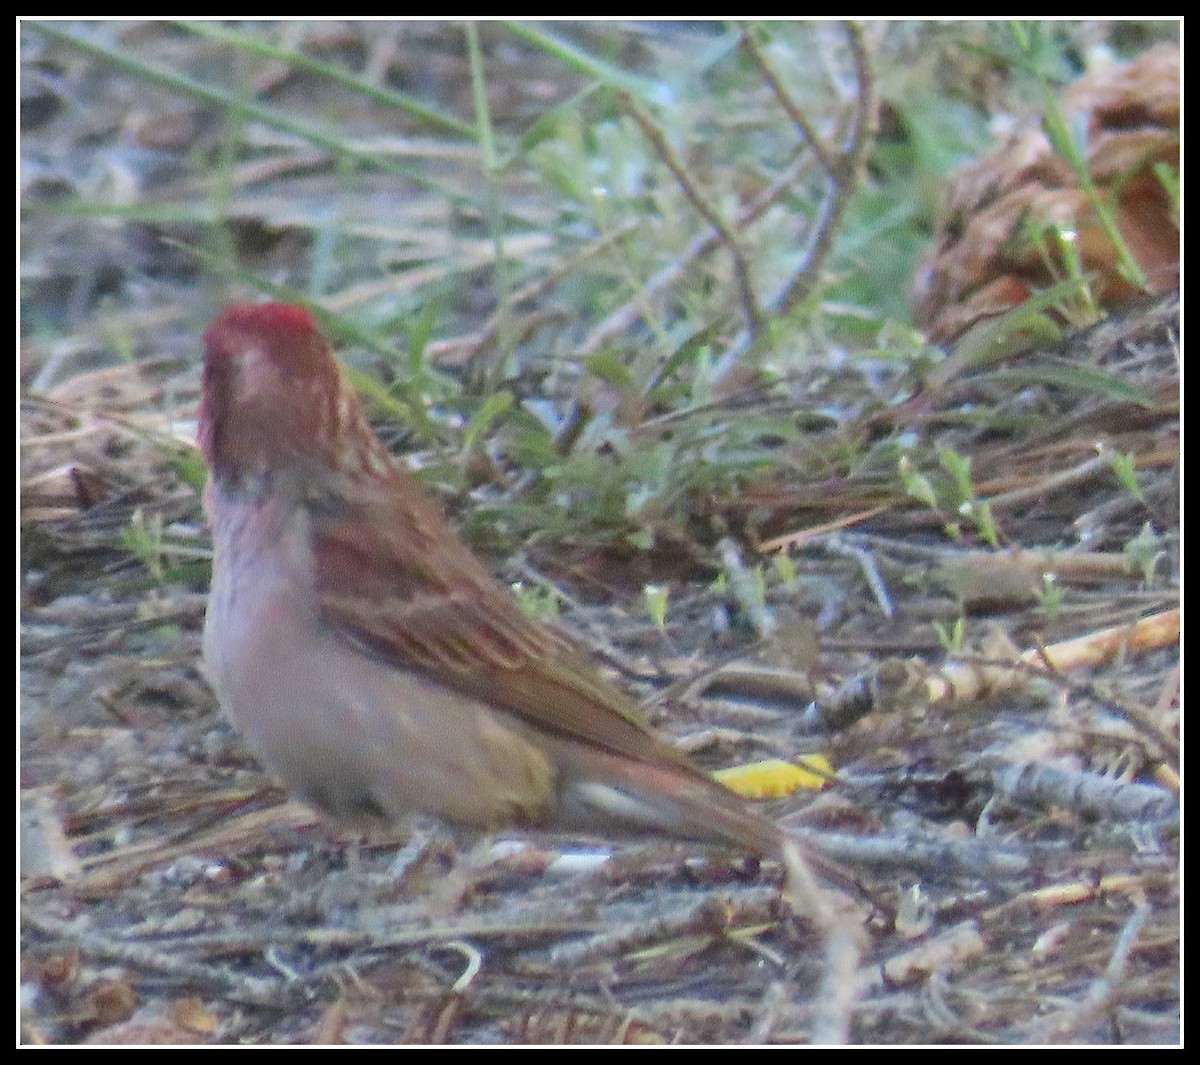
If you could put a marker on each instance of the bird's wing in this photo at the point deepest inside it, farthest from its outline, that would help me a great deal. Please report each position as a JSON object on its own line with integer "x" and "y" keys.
{"x": 393, "y": 578}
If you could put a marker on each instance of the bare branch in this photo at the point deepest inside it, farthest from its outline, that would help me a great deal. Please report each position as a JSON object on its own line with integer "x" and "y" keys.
{"x": 750, "y": 309}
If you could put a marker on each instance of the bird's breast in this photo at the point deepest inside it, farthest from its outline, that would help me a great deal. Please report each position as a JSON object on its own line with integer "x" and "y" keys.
{"x": 361, "y": 738}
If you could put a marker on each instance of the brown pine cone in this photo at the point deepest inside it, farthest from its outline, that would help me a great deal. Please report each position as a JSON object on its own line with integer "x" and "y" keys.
{"x": 985, "y": 259}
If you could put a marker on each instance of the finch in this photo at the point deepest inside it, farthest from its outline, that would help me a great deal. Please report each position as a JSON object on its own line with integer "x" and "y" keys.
{"x": 369, "y": 657}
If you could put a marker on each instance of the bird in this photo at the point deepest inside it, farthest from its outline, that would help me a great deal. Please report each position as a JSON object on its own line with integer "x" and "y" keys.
{"x": 369, "y": 657}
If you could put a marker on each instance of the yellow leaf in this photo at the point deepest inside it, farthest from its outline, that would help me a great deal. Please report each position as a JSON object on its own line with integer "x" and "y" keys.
{"x": 775, "y": 778}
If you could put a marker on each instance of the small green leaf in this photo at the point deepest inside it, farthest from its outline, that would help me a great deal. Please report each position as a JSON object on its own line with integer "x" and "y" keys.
{"x": 190, "y": 466}
{"x": 786, "y": 568}
{"x": 951, "y": 639}
{"x": 418, "y": 338}
{"x": 1124, "y": 466}
{"x": 959, "y": 468}
{"x": 1050, "y": 595}
{"x": 1074, "y": 377}
{"x": 491, "y": 409}
{"x": 655, "y": 598}
{"x": 1144, "y": 550}
{"x": 609, "y": 367}
{"x": 985, "y": 523}
{"x": 915, "y": 483}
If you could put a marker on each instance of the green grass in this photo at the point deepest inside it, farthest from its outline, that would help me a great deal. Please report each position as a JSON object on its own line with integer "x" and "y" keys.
{"x": 696, "y": 247}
